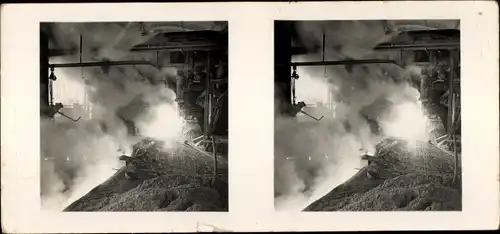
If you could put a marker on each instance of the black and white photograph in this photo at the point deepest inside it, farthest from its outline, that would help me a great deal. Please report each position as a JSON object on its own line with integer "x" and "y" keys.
{"x": 367, "y": 115}
{"x": 117, "y": 117}
{"x": 134, "y": 116}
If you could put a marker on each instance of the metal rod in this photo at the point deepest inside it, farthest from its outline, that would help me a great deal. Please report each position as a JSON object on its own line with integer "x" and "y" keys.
{"x": 186, "y": 47}
{"x": 74, "y": 120}
{"x": 342, "y": 62}
{"x": 81, "y": 52}
{"x": 324, "y": 43}
{"x": 81, "y": 46}
{"x": 323, "y": 52}
{"x": 101, "y": 64}
{"x": 441, "y": 138}
{"x": 450, "y": 96}
{"x": 51, "y": 92}
{"x": 441, "y": 45}
{"x": 197, "y": 138}
{"x": 303, "y": 112}
{"x": 453, "y": 126}
{"x": 206, "y": 124}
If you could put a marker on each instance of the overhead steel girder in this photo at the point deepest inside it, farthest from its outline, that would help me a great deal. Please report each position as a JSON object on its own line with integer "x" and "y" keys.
{"x": 202, "y": 47}
{"x": 340, "y": 62}
{"x": 419, "y": 46}
{"x": 102, "y": 64}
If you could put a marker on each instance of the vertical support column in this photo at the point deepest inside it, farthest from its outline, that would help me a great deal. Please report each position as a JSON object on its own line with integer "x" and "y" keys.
{"x": 206, "y": 115}
{"x": 180, "y": 88}
{"x": 451, "y": 94}
{"x": 452, "y": 120}
{"x": 282, "y": 56}
{"x": 423, "y": 88}
{"x": 44, "y": 70}
{"x": 179, "y": 93}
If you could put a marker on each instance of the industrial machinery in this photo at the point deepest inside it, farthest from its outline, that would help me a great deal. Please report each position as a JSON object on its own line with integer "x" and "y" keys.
{"x": 201, "y": 84}
{"x": 436, "y": 51}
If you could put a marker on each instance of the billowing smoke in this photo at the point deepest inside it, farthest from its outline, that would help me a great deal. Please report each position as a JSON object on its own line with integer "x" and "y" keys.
{"x": 76, "y": 157}
{"x": 312, "y": 157}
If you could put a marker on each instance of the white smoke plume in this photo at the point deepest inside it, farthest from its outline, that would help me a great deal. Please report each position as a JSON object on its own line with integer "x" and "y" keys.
{"x": 312, "y": 157}
{"x": 77, "y": 157}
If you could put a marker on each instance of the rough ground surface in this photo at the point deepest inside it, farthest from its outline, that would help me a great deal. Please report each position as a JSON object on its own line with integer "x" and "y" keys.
{"x": 398, "y": 179}
{"x": 158, "y": 178}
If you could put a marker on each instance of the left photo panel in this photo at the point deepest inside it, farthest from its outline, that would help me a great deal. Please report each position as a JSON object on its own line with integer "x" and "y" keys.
{"x": 134, "y": 116}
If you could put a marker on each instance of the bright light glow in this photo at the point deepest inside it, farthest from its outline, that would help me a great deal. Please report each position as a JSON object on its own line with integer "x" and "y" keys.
{"x": 407, "y": 121}
{"x": 68, "y": 88}
{"x": 311, "y": 89}
{"x": 165, "y": 123}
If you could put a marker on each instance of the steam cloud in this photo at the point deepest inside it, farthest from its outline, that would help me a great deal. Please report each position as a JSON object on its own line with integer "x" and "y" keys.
{"x": 78, "y": 156}
{"x": 313, "y": 158}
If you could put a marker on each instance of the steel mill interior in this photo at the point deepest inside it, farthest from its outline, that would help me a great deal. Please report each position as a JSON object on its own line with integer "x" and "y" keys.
{"x": 367, "y": 115}
{"x": 134, "y": 116}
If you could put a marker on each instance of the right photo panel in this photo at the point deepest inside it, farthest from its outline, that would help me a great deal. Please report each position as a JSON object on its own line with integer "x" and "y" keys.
{"x": 367, "y": 115}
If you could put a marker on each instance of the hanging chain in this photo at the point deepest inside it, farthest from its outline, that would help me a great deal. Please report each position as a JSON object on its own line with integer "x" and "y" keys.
{"x": 295, "y": 76}
{"x": 52, "y": 78}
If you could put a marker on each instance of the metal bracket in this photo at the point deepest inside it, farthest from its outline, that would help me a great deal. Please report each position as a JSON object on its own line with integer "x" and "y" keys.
{"x": 303, "y": 112}
{"x": 74, "y": 120}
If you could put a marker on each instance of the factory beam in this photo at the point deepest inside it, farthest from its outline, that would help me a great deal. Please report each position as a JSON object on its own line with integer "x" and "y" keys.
{"x": 184, "y": 47}
{"x": 207, "y": 105}
{"x": 420, "y": 46}
{"x": 282, "y": 74}
{"x": 102, "y": 64}
{"x": 339, "y": 62}
{"x": 44, "y": 71}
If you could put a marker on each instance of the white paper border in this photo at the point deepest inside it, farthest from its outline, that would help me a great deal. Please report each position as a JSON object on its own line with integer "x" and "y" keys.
{"x": 251, "y": 117}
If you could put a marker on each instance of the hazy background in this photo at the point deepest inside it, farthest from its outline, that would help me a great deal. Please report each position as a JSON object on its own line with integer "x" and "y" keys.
{"x": 311, "y": 159}
{"x": 76, "y": 157}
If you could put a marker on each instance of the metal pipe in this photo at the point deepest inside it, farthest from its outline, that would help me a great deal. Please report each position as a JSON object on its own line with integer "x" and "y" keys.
{"x": 423, "y": 87}
{"x": 303, "y": 112}
{"x": 74, "y": 120}
{"x": 450, "y": 96}
{"x": 179, "y": 88}
{"x": 185, "y": 47}
{"x": 437, "y": 45}
{"x": 206, "y": 118}
{"x": 323, "y": 51}
{"x": 102, "y": 64}
{"x": 452, "y": 130}
{"x": 443, "y": 137}
{"x": 342, "y": 62}
{"x": 81, "y": 47}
